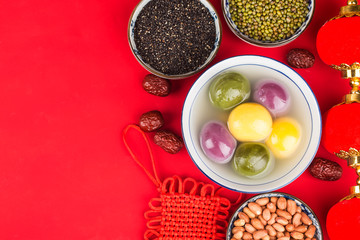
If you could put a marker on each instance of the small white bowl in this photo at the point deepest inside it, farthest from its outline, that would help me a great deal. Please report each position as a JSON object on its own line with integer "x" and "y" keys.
{"x": 304, "y": 207}
{"x": 131, "y": 40}
{"x": 197, "y": 110}
{"x": 226, "y": 12}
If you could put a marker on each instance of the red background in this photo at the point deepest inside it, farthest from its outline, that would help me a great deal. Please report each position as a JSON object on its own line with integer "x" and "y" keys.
{"x": 69, "y": 84}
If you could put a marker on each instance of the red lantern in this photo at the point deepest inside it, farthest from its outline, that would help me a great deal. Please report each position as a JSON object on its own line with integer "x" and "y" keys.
{"x": 338, "y": 46}
{"x": 341, "y": 221}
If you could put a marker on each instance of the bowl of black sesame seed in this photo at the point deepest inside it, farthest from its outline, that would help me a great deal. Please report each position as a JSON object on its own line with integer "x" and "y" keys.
{"x": 174, "y": 39}
{"x": 268, "y": 23}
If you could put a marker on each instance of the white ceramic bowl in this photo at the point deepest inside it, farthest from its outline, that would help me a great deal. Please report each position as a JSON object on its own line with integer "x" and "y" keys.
{"x": 131, "y": 40}
{"x": 197, "y": 110}
{"x": 304, "y": 207}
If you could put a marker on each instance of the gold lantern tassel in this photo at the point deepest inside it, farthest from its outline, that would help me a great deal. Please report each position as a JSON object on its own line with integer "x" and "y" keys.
{"x": 353, "y": 159}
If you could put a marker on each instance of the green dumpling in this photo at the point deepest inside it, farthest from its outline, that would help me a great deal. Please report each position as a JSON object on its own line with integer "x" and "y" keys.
{"x": 253, "y": 160}
{"x": 229, "y": 90}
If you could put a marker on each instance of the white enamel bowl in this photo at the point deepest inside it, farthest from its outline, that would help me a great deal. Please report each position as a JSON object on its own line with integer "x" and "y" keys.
{"x": 197, "y": 110}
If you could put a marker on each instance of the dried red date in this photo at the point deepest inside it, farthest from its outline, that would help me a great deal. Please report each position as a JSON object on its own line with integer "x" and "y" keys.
{"x": 156, "y": 85}
{"x": 300, "y": 58}
{"x": 151, "y": 121}
{"x": 325, "y": 169}
{"x": 168, "y": 141}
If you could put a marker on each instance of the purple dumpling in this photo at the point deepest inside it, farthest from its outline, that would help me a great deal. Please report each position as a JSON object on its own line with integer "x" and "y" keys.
{"x": 273, "y": 96}
{"x": 217, "y": 142}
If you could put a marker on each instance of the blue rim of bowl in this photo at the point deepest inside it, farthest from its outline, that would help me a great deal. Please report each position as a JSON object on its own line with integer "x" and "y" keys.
{"x": 247, "y": 39}
{"x": 130, "y": 35}
{"x": 304, "y": 207}
{"x": 237, "y": 183}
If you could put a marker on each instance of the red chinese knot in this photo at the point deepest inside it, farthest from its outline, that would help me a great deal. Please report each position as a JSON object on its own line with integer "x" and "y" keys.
{"x": 185, "y": 209}
{"x": 181, "y": 213}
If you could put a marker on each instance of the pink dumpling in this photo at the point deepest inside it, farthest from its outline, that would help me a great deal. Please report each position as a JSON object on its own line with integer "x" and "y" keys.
{"x": 217, "y": 142}
{"x": 273, "y": 96}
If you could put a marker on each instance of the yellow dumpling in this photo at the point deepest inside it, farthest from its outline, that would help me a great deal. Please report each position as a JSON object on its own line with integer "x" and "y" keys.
{"x": 250, "y": 122}
{"x": 284, "y": 138}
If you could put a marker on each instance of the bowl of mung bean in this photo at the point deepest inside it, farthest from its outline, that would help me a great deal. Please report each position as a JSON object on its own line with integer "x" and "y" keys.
{"x": 274, "y": 215}
{"x": 174, "y": 39}
{"x": 268, "y": 23}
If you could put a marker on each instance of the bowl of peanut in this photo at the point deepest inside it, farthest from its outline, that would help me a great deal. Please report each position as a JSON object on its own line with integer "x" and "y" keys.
{"x": 274, "y": 216}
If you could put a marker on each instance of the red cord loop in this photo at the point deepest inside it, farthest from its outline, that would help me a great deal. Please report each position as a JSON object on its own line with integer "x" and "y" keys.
{"x": 154, "y": 178}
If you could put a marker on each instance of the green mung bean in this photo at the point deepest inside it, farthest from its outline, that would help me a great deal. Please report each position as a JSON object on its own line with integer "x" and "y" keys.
{"x": 275, "y": 20}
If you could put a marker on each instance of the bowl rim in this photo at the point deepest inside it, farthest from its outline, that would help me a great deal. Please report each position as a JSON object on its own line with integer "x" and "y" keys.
{"x": 274, "y": 194}
{"x": 218, "y": 39}
{"x": 258, "y": 43}
{"x": 307, "y": 157}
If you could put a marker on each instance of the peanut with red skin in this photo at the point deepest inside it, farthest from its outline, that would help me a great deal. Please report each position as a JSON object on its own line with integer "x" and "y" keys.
{"x": 238, "y": 229}
{"x": 283, "y": 214}
{"x": 291, "y": 206}
{"x": 280, "y": 234}
{"x": 278, "y": 227}
{"x": 239, "y": 222}
{"x": 250, "y": 228}
{"x": 290, "y": 227}
{"x": 266, "y": 214}
{"x": 297, "y": 235}
{"x": 247, "y": 236}
{"x": 281, "y": 203}
{"x": 272, "y": 218}
{"x": 284, "y": 238}
{"x": 311, "y": 231}
{"x": 260, "y": 234}
{"x": 282, "y": 221}
{"x": 267, "y": 237}
{"x": 271, "y": 206}
{"x": 242, "y": 215}
{"x": 298, "y": 209}
{"x": 238, "y": 235}
{"x": 255, "y": 208}
{"x": 305, "y": 219}
{"x": 271, "y": 230}
{"x": 257, "y": 224}
{"x": 262, "y": 220}
{"x": 262, "y": 201}
{"x": 301, "y": 228}
{"x": 249, "y": 212}
{"x": 296, "y": 221}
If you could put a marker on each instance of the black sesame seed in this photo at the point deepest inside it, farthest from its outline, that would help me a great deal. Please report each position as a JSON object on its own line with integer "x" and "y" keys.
{"x": 174, "y": 36}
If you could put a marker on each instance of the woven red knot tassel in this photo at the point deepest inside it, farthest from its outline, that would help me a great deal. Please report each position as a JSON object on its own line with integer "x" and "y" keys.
{"x": 185, "y": 209}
